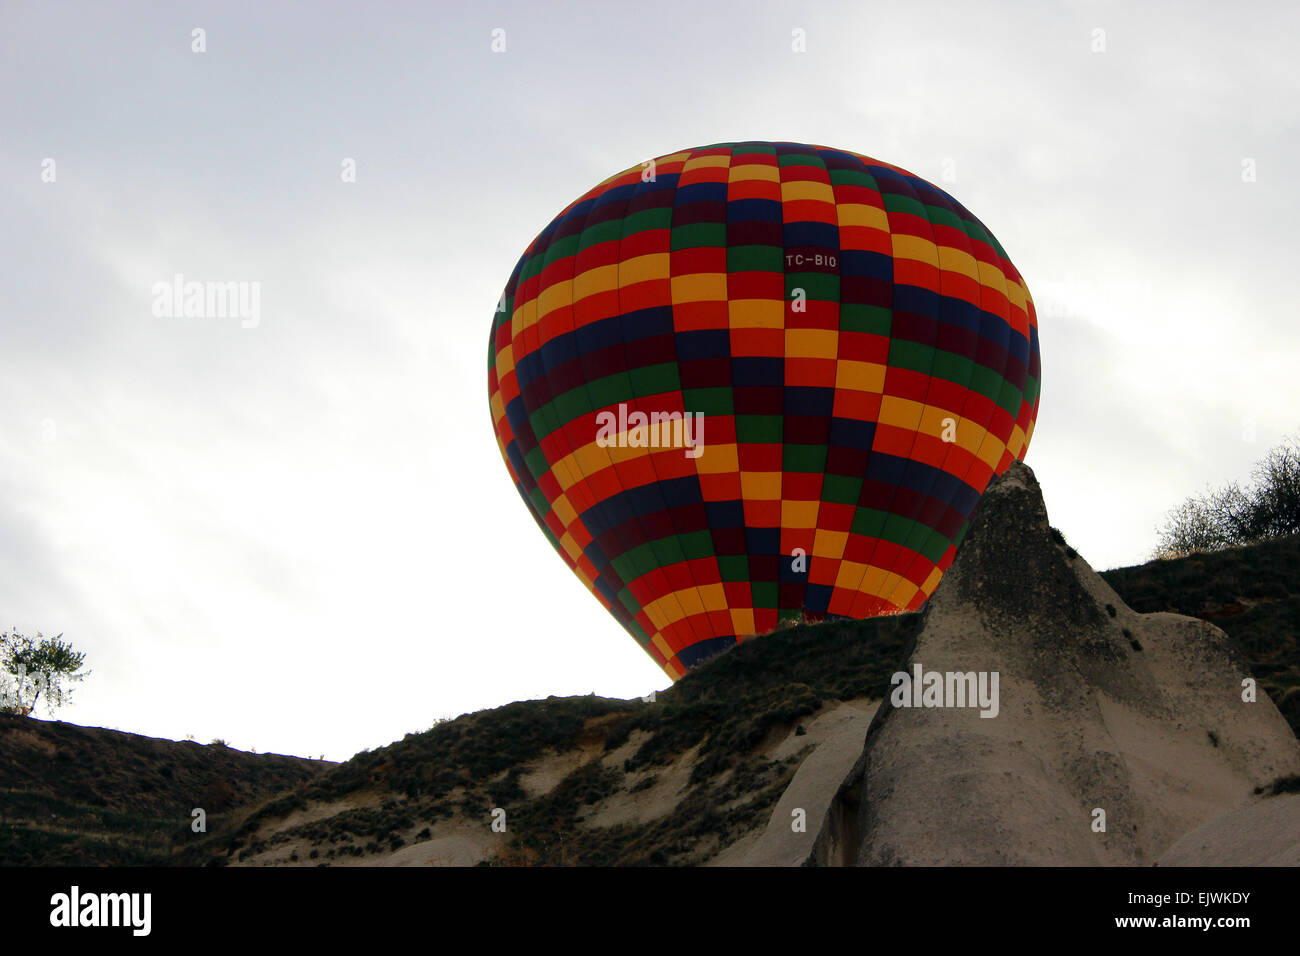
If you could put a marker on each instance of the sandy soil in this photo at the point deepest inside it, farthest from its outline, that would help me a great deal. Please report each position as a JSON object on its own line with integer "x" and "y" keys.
{"x": 834, "y": 743}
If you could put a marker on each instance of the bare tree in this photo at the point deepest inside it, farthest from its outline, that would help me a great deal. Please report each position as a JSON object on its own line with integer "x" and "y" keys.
{"x": 1232, "y": 515}
{"x": 1275, "y": 506}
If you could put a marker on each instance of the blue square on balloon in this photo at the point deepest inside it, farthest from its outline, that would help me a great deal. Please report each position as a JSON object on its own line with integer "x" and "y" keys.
{"x": 596, "y": 555}
{"x": 557, "y": 351}
{"x": 753, "y": 210}
{"x": 910, "y": 298}
{"x": 643, "y": 323}
{"x": 799, "y": 234}
{"x": 606, "y": 588}
{"x": 702, "y": 650}
{"x": 516, "y": 414}
{"x": 595, "y": 336}
{"x": 789, "y": 574}
{"x": 809, "y": 400}
{"x": 701, "y": 192}
{"x": 642, "y": 500}
{"x": 817, "y": 597}
{"x": 703, "y": 344}
{"x": 596, "y": 520}
{"x": 862, "y": 262}
{"x": 918, "y": 476}
{"x": 887, "y": 469}
{"x": 850, "y": 433}
{"x": 725, "y": 514}
{"x": 757, "y": 370}
{"x": 529, "y": 368}
{"x": 680, "y": 492}
{"x": 763, "y": 540}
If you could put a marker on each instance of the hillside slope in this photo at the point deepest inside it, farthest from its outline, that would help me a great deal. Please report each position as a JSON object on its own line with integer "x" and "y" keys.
{"x": 1251, "y": 593}
{"x": 587, "y": 780}
{"x": 73, "y": 795}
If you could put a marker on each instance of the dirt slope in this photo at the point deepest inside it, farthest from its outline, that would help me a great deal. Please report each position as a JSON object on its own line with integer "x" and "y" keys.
{"x": 88, "y": 795}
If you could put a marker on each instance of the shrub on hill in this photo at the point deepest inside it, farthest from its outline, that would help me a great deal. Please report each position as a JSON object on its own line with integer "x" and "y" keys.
{"x": 1269, "y": 507}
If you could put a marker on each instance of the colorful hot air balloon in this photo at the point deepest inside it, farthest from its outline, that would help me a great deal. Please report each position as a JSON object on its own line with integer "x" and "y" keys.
{"x": 840, "y": 358}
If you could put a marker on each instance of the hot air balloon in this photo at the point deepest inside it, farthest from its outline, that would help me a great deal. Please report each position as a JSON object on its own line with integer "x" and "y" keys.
{"x": 755, "y": 382}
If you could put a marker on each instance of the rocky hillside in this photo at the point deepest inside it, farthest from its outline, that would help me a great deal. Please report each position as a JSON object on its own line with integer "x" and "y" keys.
{"x": 89, "y": 796}
{"x": 591, "y": 781}
{"x": 1251, "y": 593}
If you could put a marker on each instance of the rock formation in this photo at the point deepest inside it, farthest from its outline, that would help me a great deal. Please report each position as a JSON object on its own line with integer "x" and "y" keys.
{"x": 1101, "y": 710}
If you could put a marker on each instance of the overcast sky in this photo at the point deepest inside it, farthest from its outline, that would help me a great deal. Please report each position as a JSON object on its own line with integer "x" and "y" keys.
{"x": 298, "y": 534}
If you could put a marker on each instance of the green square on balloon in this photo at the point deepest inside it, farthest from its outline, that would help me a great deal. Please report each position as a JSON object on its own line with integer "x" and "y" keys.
{"x": 654, "y": 379}
{"x": 816, "y": 286}
{"x": 799, "y": 159}
{"x": 841, "y": 489}
{"x": 572, "y": 404}
{"x": 638, "y": 632}
{"x": 1009, "y": 399}
{"x": 986, "y": 381}
{"x": 609, "y": 390}
{"x": 810, "y": 459}
{"x": 911, "y": 355}
{"x": 538, "y": 466}
{"x": 758, "y": 429}
{"x": 868, "y": 522}
{"x": 648, "y": 220}
{"x": 939, "y": 216}
{"x": 852, "y": 177}
{"x": 609, "y": 231}
{"x": 755, "y": 259}
{"x": 561, "y": 248}
{"x": 896, "y": 202}
{"x": 733, "y": 567}
{"x": 873, "y": 319}
{"x": 708, "y": 401}
{"x": 696, "y": 234}
{"x": 934, "y": 545}
{"x": 951, "y": 367}
{"x": 896, "y": 529}
{"x": 643, "y": 559}
{"x": 668, "y": 551}
{"x": 696, "y": 545}
{"x": 624, "y": 567}
{"x": 765, "y": 593}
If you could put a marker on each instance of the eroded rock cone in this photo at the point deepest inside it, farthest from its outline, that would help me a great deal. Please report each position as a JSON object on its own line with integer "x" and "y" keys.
{"x": 1099, "y": 708}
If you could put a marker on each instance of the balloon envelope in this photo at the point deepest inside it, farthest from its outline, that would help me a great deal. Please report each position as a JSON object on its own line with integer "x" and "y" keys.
{"x": 760, "y": 381}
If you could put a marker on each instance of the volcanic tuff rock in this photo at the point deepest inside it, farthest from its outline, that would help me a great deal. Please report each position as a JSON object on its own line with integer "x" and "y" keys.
{"x": 1264, "y": 833}
{"x": 1101, "y": 708}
